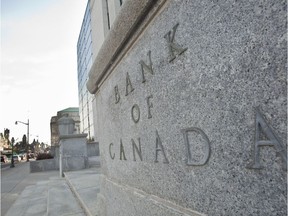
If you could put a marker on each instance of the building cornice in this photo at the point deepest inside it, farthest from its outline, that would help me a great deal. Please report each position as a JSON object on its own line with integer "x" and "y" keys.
{"x": 131, "y": 21}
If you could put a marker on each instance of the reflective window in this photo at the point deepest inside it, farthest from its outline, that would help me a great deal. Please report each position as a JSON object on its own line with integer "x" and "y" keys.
{"x": 84, "y": 64}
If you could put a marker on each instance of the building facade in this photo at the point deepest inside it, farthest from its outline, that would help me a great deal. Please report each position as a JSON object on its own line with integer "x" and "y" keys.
{"x": 84, "y": 60}
{"x": 4, "y": 141}
{"x": 98, "y": 18}
{"x": 191, "y": 109}
{"x": 72, "y": 112}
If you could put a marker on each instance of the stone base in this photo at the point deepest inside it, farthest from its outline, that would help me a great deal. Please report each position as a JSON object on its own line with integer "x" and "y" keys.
{"x": 74, "y": 163}
{"x": 44, "y": 165}
{"x": 74, "y": 151}
{"x": 132, "y": 201}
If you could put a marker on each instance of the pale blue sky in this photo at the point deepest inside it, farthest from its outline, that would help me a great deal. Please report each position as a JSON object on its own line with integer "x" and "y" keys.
{"x": 38, "y": 62}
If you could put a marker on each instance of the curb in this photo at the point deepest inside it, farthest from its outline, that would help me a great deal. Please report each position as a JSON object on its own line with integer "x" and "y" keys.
{"x": 5, "y": 168}
{"x": 78, "y": 197}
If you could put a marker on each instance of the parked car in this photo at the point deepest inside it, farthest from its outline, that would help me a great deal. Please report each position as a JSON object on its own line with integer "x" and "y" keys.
{"x": 4, "y": 159}
{"x": 16, "y": 158}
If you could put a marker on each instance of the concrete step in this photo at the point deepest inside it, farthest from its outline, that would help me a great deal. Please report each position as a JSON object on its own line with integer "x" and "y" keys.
{"x": 85, "y": 185}
{"x": 94, "y": 161}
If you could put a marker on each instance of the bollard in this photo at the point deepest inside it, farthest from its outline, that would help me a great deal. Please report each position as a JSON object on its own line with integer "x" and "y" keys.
{"x": 60, "y": 163}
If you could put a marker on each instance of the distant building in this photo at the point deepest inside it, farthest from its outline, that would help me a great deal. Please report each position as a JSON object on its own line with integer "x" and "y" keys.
{"x": 4, "y": 142}
{"x": 72, "y": 112}
{"x": 98, "y": 18}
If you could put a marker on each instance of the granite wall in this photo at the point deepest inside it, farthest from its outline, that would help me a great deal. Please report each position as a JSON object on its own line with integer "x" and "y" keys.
{"x": 191, "y": 108}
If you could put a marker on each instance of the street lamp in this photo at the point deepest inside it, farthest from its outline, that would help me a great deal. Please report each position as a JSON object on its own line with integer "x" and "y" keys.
{"x": 27, "y": 136}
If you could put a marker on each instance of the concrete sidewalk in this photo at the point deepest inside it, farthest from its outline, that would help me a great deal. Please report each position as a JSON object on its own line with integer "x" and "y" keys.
{"x": 85, "y": 186}
{"x": 75, "y": 194}
{"x": 15, "y": 180}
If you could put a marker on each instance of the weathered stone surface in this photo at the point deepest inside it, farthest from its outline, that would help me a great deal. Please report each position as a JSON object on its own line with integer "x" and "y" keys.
{"x": 66, "y": 125}
{"x": 197, "y": 111}
{"x": 74, "y": 151}
{"x": 93, "y": 149}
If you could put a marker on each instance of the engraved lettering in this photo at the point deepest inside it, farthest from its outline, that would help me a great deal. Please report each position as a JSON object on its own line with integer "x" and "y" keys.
{"x": 122, "y": 152}
{"x": 128, "y": 84}
{"x": 112, "y": 157}
{"x": 159, "y": 147}
{"x": 150, "y": 105}
{"x": 135, "y": 111}
{"x": 206, "y": 147}
{"x": 273, "y": 141}
{"x": 117, "y": 95}
{"x": 138, "y": 150}
{"x": 147, "y": 67}
{"x": 173, "y": 47}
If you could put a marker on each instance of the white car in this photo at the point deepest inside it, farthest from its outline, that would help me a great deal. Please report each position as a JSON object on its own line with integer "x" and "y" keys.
{"x": 16, "y": 158}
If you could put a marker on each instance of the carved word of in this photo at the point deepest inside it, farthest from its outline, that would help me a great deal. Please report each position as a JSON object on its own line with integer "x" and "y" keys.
{"x": 174, "y": 49}
{"x": 135, "y": 110}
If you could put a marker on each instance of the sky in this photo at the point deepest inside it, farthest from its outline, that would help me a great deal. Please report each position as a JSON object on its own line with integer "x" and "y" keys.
{"x": 38, "y": 63}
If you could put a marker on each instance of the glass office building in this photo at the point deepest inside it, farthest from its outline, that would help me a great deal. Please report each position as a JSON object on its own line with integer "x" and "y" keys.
{"x": 84, "y": 60}
{"x": 98, "y": 18}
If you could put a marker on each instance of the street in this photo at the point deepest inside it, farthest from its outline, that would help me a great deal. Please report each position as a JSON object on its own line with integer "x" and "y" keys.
{"x": 15, "y": 180}
{"x": 5, "y": 165}
{"x": 11, "y": 187}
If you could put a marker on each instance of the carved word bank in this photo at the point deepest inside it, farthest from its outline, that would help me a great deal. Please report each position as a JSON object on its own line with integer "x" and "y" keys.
{"x": 175, "y": 50}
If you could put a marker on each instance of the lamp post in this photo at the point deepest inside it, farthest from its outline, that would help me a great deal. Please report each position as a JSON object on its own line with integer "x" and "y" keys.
{"x": 27, "y": 136}
{"x": 12, "y": 159}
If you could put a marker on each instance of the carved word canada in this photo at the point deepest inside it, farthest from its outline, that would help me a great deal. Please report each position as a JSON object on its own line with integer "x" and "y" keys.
{"x": 260, "y": 123}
